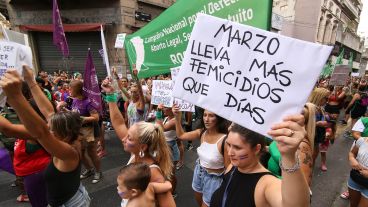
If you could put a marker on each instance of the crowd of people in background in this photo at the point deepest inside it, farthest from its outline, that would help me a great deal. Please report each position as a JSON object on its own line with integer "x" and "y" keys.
{"x": 56, "y": 138}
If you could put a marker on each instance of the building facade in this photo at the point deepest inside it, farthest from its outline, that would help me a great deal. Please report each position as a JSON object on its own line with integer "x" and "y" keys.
{"x": 329, "y": 22}
{"x": 81, "y": 20}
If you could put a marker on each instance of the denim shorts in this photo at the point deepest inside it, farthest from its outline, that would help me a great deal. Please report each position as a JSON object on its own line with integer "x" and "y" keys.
{"x": 80, "y": 199}
{"x": 205, "y": 183}
{"x": 355, "y": 186}
{"x": 175, "y": 154}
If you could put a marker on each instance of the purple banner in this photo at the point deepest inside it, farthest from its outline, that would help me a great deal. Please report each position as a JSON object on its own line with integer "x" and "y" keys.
{"x": 90, "y": 84}
{"x": 59, "y": 38}
{"x": 5, "y": 161}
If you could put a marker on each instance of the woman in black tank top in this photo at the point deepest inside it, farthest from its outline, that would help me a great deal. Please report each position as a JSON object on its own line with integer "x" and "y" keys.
{"x": 59, "y": 137}
{"x": 248, "y": 184}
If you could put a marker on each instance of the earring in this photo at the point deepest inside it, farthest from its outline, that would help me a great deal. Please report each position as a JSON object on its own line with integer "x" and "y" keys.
{"x": 154, "y": 154}
{"x": 141, "y": 153}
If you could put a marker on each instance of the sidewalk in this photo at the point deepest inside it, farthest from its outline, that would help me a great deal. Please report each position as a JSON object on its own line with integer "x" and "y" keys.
{"x": 339, "y": 202}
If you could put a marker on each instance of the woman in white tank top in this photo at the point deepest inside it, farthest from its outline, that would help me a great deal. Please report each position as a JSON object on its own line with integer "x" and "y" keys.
{"x": 211, "y": 162}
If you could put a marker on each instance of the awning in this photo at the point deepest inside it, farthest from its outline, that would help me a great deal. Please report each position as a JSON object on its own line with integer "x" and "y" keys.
{"x": 67, "y": 27}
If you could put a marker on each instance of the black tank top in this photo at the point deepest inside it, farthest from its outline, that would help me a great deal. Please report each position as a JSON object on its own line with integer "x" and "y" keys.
{"x": 61, "y": 186}
{"x": 240, "y": 191}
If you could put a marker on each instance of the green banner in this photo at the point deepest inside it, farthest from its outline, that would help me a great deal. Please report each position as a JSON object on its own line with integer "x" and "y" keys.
{"x": 160, "y": 45}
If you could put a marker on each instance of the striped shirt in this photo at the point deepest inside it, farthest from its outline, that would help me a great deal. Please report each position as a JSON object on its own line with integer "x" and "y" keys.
{"x": 362, "y": 157}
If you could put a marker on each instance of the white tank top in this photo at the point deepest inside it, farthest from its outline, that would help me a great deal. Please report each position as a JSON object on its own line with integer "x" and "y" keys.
{"x": 209, "y": 155}
{"x": 169, "y": 135}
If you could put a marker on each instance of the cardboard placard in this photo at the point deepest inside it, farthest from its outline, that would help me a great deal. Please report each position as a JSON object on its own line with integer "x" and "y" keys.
{"x": 247, "y": 75}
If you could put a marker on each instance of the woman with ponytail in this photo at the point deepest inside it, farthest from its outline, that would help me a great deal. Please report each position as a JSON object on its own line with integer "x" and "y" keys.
{"x": 146, "y": 143}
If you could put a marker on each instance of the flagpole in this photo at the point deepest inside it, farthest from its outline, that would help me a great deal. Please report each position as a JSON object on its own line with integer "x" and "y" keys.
{"x": 105, "y": 52}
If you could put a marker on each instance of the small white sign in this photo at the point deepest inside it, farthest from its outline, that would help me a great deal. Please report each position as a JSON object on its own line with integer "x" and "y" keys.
{"x": 162, "y": 92}
{"x": 183, "y": 105}
{"x": 340, "y": 75}
{"x": 120, "y": 39}
{"x": 247, "y": 75}
{"x": 355, "y": 74}
{"x": 13, "y": 56}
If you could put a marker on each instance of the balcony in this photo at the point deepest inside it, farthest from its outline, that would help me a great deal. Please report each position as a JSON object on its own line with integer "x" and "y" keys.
{"x": 160, "y": 3}
{"x": 350, "y": 9}
{"x": 349, "y": 39}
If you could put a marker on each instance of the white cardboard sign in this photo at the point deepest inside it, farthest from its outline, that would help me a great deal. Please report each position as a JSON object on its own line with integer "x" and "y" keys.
{"x": 162, "y": 92}
{"x": 340, "y": 75}
{"x": 355, "y": 74}
{"x": 247, "y": 75}
{"x": 183, "y": 105}
{"x": 13, "y": 55}
{"x": 120, "y": 39}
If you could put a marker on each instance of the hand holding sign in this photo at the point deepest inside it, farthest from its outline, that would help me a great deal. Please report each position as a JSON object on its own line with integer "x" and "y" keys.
{"x": 14, "y": 56}
{"x": 107, "y": 87}
{"x": 28, "y": 74}
{"x": 11, "y": 83}
{"x": 288, "y": 134}
{"x": 176, "y": 112}
{"x": 246, "y": 75}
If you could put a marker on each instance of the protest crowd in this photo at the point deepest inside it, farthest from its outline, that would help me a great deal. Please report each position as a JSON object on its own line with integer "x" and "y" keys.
{"x": 53, "y": 132}
{"x": 53, "y": 126}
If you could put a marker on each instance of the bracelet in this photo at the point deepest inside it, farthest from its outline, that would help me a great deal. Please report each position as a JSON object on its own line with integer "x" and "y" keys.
{"x": 294, "y": 168}
{"x": 159, "y": 115}
{"x": 111, "y": 98}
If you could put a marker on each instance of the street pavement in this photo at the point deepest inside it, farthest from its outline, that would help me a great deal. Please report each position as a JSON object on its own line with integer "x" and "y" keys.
{"x": 326, "y": 186}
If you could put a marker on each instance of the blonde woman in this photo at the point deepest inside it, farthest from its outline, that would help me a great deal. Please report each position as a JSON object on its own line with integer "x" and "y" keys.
{"x": 306, "y": 146}
{"x": 146, "y": 143}
{"x": 319, "y": 97}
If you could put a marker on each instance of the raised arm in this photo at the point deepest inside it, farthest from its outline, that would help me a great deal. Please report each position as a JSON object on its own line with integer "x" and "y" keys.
{"x": 120, "y": 84}
{"x": 159, "y": 119}
{"x": 116, "y": 117}
{"x": 13, "y": 130}
{"x": 179, "y": 129}
{"x": 11, "y": 84}
{"x": 355, "y": 97}
{"x": 140, "y": 91}
{"x": 294, "y": 188}
{"x": 42, "y": 102}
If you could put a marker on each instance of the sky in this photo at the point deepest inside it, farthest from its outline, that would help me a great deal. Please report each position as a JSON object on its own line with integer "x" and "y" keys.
{"x": 363, "y": 24}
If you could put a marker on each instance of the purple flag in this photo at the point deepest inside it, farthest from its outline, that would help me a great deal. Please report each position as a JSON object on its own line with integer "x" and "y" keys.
{"x": 91, "y": 88}
{"x": 59, "y": 38}
{"x": 5, "y": 161}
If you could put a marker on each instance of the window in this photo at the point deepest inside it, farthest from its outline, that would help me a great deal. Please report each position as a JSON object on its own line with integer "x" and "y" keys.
{"x": 337, "y": 12}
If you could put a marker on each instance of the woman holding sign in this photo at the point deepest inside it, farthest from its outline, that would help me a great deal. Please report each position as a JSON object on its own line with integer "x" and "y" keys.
{"x": 211, "y": 162}
{"x": 248, "y": 183}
